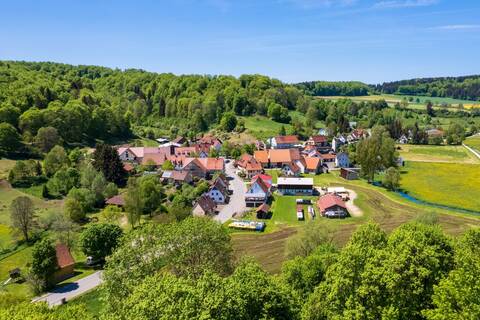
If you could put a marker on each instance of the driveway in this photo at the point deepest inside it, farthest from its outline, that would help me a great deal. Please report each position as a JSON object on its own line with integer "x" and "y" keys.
{"x": 71, "y": 290}
{"x": 237, "y": 199}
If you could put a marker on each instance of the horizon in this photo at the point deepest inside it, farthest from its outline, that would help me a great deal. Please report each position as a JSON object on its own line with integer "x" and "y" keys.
{"x": 371, "y": 41}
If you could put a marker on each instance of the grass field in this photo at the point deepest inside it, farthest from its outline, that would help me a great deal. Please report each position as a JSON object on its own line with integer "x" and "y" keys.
{"x": 5, "y": 166}
{"x": 91, "y": 300}
{"x": 453, "y": 154}
{"x": 448, "y": 184}
{"x": 473, "y": 142}
{"x": 263, "y": 127}
{"x": 392, "y": 99}
{"x": 386, "y": 208}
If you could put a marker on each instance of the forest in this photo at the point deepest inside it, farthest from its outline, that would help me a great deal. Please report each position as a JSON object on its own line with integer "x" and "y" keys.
{"x": 467, "y": 87}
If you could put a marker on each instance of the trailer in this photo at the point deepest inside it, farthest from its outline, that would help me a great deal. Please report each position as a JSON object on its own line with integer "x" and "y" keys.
{"x": 300, "y": 215}
{"x": 248, "y": 225}
{"x": 311, "y": 211}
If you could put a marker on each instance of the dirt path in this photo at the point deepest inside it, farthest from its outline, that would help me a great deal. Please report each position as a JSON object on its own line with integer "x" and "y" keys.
{"x": 351, "y": 207}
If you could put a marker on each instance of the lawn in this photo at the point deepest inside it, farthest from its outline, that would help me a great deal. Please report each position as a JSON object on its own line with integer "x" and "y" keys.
{"x": 448, "y": 184}
{"x": 263, "y": 127}
{"x": 427, "y": 153}
{"x": 473, "y": 142}
{"x": 91, "y": 300}
{"x": 5, "y": 166}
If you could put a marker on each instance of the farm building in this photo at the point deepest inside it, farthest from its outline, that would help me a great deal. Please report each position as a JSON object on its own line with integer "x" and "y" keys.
{"x": 65, "y": 263}
{"x": 177, "y": 177}
{"x": 263, "y": 212}
{"x": 284, "y": 142}
{"x": 204, "y": 206}
{"x": 293, "y": 186}
{"x": 349, "y": 173}
{"x": 332, "y": 206}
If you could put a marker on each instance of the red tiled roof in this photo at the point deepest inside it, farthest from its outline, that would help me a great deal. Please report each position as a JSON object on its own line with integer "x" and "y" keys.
{"x": 212, "y": 164}
{"x": 327, "y": 201}
{"x": 287, "y": 139}
{"x": 312, "y": 163}
{"x": 262, "y": 184}
{"x": 318, "y": 139}
{"x": 261, "y": 156}
{"x": 265, "y": 177}
{"x": 128, "y": 167}
{"x": 157, "y": 158}
{"x": 64, "y": 257}
{"x": 328, "y": 156}
{"x": 117, "y": 200}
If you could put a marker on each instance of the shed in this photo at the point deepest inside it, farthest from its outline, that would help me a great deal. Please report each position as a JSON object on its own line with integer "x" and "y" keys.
{"x": 65, "y": 263}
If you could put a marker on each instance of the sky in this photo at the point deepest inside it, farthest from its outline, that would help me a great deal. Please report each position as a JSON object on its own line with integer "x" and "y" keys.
{"x": 291, "y": 40}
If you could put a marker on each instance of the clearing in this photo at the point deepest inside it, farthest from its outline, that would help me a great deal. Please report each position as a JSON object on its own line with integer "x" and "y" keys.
{"x": 450, "y": 184}
{"x": 430, "y": 153}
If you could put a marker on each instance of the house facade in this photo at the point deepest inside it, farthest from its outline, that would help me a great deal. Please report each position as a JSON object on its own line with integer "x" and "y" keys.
{"x": 332, "y": 206}
{"x": 295, "y": 186}
{"x": 342, "y": 160}
{"x": 204, "y": 206}
{"x": 284, "y": 142}
{"x": 218, "y": 193}
{"x": 258, "y": 192}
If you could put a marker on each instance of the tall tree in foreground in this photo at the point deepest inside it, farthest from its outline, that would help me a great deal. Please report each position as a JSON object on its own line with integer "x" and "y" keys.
{"x": 134, "y": 203}
{"x": 44, "y": 262}
{"x": 106, "y": 160}
{"x": 22, "y": 214}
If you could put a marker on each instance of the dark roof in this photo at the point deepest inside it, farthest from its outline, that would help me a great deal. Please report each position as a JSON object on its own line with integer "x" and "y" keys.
{"x": 64, "y": 257}
{"x": 206, "y": 203}
{"x": 263, "y": 208}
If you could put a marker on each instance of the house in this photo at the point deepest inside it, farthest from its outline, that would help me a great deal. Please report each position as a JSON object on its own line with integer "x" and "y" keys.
{"x": 248, "y": 165}
{"x": 265, "y": 177}
{"x": 318, "y": 141}
{"x": 337, "y": 142}
{"x": 218, "y": 192}
{"x": 154, "y": 159}
{"x": 260, "y": 145}
{"x": 195, "y": 167}
{"x": 65, "y": 263}
{"x": 177, "y": 177}
{"x": 342, "y": 160}
{"x": 284, "y": 142}
{"x": 403, "y": 139}
{"x": 136, "y": 154}
{"x": 357, "y": 134}
{"x": 221, "y": 178}
{"x": 258, "y": 192}
{"x": 180, "y": 140}
{"x": 117, "y": 200}
{"x": 291, "y": 169}
{"x": 263, "y": 212}
{"x": 328, "y": 160}
{"x": 203, "y": 167}
{"x": 210, "y": 142}
{"x": 276, "y": 158}
{"x": 204, "y": 206}
{"x": 313, "y": 165}
{"x": 193, "y": 151}
{"x": 349, "y": 173}
{"x": 332, "y": 206}
{"x": 293, "y": 186}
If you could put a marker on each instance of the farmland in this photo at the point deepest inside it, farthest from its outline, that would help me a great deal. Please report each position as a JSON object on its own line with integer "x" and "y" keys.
{"x": 431, "y": 153}
{"x": 450, "y": 184}
{"x": 392, "y": 99}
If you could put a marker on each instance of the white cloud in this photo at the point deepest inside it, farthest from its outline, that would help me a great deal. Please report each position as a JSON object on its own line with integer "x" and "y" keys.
{"x": 457, "y": 27}
{"x": 388, "y": 4}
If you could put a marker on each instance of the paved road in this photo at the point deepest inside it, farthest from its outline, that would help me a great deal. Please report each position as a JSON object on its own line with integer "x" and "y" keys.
{"x": 237, "y": 199}
{"x": 475, "y": 152}
{"x": 71, "y": 290}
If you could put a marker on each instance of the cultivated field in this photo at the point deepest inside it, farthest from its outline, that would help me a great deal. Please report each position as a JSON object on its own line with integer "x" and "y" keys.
{"x": 430, "y": 153}
{"x": 450, "y": 184}
{"x": 392, "y": 99}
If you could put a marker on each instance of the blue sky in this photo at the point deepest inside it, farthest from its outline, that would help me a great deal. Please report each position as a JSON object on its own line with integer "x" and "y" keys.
{"x": 292, "y": 40}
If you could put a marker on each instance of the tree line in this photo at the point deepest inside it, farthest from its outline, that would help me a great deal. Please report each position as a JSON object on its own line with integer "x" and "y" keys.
{"x": 186, "y": 270}
{"x": 467, "y": 87}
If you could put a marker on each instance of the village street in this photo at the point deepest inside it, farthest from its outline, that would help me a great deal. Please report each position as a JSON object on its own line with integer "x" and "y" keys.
{"x": 71, "y": 290}
{"x": 237, "y": 199}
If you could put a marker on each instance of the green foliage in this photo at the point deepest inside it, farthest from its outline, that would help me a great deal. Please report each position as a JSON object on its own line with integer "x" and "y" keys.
{"x": 44, "y": 261}
{"x": 99, "y": 240}
{"x": 26, "y": 173}
{"x": 376, "y": 152}
{"x": 47, "y": 138}
{"x": 167, "y": 165}
{"x": 189, "y": 249}
{"x": 63, "y": 181}
{"x": 55, "y": 160}
{"x": 312, "y": 235}
{"x": 228, "y": 122}
{"x": 10, "y": 140}
{"x": 22, "y": 214}
{"x": 107, "y": 161}
{"x": 391, "y": 179}
{"x": 327, "y": 88}
{"x": 40, "y": 311}
{"x": 74, "y": 210}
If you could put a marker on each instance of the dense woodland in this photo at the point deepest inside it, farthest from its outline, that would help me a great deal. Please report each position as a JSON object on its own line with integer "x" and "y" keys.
{"x": 327, "y": 88}
{"x": 467, "y": 87}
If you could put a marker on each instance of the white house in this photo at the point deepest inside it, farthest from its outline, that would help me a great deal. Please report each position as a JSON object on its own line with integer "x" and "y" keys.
{"x": 342, "y": 160}
{"x": 218, "y": 193}
{"x": 258, "y": 192}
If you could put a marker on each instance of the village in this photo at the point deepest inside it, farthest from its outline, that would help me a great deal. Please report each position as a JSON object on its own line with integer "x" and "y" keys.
{"x": 282, "y": 165}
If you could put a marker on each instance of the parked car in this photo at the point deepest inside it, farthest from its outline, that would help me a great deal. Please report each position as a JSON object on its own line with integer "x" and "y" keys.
{"x": 91, "y": 262}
